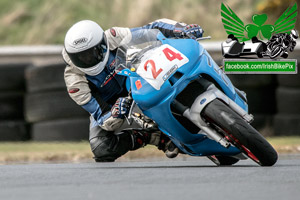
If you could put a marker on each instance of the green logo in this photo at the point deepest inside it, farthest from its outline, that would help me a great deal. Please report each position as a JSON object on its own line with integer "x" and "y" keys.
{"x": 234, "y": 25}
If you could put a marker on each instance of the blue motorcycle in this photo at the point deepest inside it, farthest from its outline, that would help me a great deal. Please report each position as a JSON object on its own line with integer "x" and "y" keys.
{"x": 176, "y": 84}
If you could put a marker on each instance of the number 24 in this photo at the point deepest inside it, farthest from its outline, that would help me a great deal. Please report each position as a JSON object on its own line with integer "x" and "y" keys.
{"x": 170, "y": 55}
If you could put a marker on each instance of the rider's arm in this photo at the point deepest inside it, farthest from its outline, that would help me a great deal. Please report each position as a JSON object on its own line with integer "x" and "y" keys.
{"x": 80, "y": 92}
{"x": 169, "y": 28}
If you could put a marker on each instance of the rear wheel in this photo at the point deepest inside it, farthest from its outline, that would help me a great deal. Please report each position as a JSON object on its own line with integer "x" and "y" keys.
{"x": 240, "y": 133}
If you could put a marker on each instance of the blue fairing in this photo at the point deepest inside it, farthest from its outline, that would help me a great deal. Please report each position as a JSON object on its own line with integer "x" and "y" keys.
{"x": 156, "y": 103}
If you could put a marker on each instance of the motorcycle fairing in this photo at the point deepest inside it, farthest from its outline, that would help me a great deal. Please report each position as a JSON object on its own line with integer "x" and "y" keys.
{"x": 156, "y": 103}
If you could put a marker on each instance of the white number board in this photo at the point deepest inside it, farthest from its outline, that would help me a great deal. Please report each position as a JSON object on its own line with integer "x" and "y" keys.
{"x": 160, "y": 65}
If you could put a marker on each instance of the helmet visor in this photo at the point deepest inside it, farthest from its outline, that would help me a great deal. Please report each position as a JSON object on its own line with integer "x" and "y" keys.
{"x": 91, "y": 56}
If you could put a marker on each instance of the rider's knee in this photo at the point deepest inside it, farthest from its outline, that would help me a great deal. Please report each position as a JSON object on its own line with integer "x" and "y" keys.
{"x": 102, "y": 148}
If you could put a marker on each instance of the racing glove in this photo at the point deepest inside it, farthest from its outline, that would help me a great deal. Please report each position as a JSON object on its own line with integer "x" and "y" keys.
{"x": 192, "y": 31}
{"x": 120, "y": 108}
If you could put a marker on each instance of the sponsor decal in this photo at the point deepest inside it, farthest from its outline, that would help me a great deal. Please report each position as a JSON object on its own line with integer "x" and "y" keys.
{"x": 113, "y": 32}
{"x": 170, "y": 72}
{"x": 138, "y": 84}
{"x": 203, "y": 101}
{"x": 80, "y": 41}
{"x": 73, "y": 90}
{"x": 112, "y": 64}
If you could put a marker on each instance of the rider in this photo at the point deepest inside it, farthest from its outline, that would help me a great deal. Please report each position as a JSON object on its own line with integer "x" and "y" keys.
{"x": 289, "y": 40}
{"x": 91, "y": 82}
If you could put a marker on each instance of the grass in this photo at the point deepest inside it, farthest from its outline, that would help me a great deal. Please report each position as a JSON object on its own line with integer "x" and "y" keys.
{"x": 46, "y": 22}
{"x": 289, "y": 144}
{"x": 18, "y": 152}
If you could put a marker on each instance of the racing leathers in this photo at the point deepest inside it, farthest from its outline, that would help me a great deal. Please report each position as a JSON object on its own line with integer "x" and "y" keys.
{"x": 97, "y": 94}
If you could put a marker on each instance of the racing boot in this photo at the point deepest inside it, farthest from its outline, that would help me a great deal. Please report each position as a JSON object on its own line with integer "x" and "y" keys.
{"x": 167, "y": 146}
{"x": 141, "y": 138}
{"x": 156, "y": 138}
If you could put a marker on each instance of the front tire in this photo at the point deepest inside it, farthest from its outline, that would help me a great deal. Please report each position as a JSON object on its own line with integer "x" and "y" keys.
{"x": 240, "y": 133}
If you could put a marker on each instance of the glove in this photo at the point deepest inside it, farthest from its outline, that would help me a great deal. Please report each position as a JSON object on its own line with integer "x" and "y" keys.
{"x": 192, "y": 31}
{"x": 120, "y": 108}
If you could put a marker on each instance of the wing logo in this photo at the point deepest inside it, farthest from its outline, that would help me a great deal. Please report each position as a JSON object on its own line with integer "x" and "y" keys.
{"x": 234, "y": 25}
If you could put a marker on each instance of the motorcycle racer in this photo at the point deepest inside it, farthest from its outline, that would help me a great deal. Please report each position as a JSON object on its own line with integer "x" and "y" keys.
{"x": 282, "y": 39}
{"x": 91, "y": 82}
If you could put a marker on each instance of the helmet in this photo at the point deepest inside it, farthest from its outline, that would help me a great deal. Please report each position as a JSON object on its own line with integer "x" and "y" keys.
{"x": 87, "y": 47}
{"x": 294, "y": 34}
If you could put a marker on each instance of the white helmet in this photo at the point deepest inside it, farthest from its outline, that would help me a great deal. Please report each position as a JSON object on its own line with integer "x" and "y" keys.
{"x": 294, "y": 34}
{"x": 87, "y": 47}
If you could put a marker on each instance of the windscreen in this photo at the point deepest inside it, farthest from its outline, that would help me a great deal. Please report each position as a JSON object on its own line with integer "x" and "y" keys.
{"x": 135, "y": 47}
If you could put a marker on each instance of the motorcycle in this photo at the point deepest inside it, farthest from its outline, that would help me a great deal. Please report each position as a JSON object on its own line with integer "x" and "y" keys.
{"x": 176, "y": 84}
{"x": 279, "y": 47}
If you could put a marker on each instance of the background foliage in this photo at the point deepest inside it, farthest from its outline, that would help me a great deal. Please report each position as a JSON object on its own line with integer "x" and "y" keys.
{"x": 46, "y": 22}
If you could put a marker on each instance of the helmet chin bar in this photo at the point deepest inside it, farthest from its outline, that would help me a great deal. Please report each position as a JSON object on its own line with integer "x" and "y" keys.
{"x": 97, "y": 69}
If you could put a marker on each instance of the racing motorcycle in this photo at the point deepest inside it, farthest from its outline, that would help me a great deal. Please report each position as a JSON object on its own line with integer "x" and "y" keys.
{"x": 279, "y": 47}
{"x": 176, "y": 84}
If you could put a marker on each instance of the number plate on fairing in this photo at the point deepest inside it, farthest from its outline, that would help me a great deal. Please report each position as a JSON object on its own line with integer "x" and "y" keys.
{"x": 160, "y": 65}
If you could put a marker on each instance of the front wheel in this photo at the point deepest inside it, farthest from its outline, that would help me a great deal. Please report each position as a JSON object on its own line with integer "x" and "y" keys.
{"x": 275, "y": 52}
{"x": 240, "y": 133}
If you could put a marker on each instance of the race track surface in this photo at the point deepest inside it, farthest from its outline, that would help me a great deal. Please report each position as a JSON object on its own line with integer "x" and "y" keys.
{"x": 192, "y": 178}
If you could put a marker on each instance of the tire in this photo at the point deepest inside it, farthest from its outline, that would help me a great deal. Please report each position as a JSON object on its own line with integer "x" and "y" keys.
{"x": 288, "y": 100}
{"x": 45, "y": 78}
{"x": 11, "y": 105}
{"x": 12, "y": 76}
{"x": 50, "y": 106}
{"x": 227, "y": 160}
{"x": 14, "y": 131}
{"x": 252, "y": 81}
{"x": 275, "y": 52}
{"x": 249, "y": 140}
{"x": 286, "y": 125}
{"x": 61, "y": 130}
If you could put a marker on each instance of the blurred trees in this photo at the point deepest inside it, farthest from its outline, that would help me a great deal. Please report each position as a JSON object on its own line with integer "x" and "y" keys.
{"x": 46, "y": 22}
{"x": 275, "y": 8}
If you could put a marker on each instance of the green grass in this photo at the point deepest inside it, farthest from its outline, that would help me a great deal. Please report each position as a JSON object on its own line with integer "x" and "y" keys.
{"x": 288, "y": 140}
{"x": 8, "y": 147}
{"x": 15, "y": 152}
{"x": 46, "y": 22}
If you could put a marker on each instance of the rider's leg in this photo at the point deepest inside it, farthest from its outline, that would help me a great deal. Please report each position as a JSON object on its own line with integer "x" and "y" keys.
{"x": 108, "y": 146}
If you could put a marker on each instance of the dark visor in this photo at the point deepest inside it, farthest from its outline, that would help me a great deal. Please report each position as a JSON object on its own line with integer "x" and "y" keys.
{"x": 91, "y": 56}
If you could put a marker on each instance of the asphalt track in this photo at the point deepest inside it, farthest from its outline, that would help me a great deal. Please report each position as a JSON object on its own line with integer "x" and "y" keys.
{"x": 192, "y": 178}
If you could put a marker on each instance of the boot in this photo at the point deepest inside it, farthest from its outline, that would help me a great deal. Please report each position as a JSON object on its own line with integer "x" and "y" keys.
{"x": 167, "y": 146}
{"x": 142, "y": 138}
{"x": 171, "y": 150}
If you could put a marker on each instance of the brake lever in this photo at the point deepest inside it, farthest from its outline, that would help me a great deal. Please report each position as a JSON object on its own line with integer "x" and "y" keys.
{"x": 204, "y": 38}
{"x": 128, "y": 118}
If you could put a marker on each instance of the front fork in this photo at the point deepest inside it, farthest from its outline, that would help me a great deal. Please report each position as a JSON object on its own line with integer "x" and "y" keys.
{"x": 194, "y": 112}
